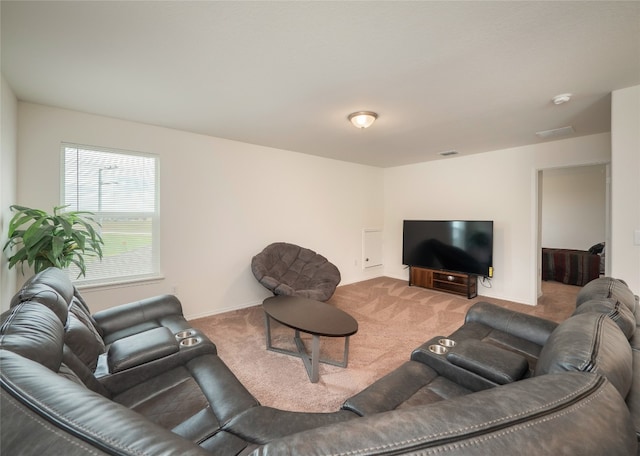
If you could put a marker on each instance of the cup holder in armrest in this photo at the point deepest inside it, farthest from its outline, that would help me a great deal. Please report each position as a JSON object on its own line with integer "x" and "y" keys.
{"x": 449, "y": 343}
{"x": 190, "y": 341}
{"x": 442, "y": 347}
{"x": 437, "y": 356}
{"x": 438, "y": 349}
{"x": 185, "y": 333}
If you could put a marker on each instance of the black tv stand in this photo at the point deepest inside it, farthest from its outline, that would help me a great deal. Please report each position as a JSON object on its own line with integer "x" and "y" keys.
{"x": 450, "y": 282}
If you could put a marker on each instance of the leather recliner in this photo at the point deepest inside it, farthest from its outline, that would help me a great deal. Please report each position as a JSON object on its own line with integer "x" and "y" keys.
{"x": 46, "y": 407}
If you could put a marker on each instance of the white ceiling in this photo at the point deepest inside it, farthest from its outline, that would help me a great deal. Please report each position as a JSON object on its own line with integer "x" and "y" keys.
{"x": 471, "y": 76}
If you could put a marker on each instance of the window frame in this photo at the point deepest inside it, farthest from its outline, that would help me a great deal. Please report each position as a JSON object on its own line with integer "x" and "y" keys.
{"x": 156, "y": 273}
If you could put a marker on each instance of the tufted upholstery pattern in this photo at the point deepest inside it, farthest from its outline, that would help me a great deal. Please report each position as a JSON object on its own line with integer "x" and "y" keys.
{"x": 287, "y": 269}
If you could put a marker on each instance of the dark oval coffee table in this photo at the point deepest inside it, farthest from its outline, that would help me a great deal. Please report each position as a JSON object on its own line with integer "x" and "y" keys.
{"x": 311, "y": 317}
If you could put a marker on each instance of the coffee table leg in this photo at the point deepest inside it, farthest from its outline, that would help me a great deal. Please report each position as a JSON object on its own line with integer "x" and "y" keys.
{"x": 311, "y": 362}
{"x": 345, "y": 359}
{"x": 315, "y": 359}
{"x": 267, "y": 325}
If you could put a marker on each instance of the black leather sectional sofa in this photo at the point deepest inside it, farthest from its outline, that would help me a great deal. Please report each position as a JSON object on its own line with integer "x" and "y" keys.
{"x": 138, "y": 380}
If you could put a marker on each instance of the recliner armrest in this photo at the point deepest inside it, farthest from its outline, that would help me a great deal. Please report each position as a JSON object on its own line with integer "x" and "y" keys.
{"x": 528, "y": 327}
{"x": 141, "y": 348}
{"x": 497, "y": 364}
{"x": 134, "y": 313}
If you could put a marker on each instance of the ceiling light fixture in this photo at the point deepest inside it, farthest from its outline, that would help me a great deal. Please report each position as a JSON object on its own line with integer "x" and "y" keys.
{"x": 562, "y": 98}
{"x": 362, "y": 119}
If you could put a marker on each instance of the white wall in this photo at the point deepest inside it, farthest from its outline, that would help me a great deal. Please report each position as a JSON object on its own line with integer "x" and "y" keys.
{"x": 8, "y": 153}
{"x": 499, "y": 186}
{"x": 574, "y": 207}
{"x": 221, "y": 202}
{"x": 625, "y": 185}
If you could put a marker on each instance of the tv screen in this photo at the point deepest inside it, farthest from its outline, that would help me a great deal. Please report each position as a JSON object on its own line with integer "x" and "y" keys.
{"x": 450, "y": 245}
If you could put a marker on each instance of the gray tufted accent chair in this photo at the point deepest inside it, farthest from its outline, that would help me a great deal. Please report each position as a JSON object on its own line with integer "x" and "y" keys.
{"x": 288, "y": 269}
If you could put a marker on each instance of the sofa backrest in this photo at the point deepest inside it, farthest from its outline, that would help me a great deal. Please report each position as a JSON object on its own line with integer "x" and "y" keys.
{"x": 53, "y": 289}
{"x": 589, "y": 342}
{"x": 615, "y": 310}
{"x": 34, "y": 332}
{"x": 609, "y": 288}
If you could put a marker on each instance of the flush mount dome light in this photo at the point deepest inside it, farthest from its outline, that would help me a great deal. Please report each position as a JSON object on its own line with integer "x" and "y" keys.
{"x": 562, "y": 98}
{"x": 362, "y": 119}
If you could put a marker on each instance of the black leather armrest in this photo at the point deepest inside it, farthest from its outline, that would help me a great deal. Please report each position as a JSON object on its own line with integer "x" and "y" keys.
{"x": 117, "y": 382}
{"x": 134, "y": 313}
{"x": 528, "y": 327}
{"x": 141, "y": 348}
{"x": 439, "y": 363}
{"x": 495, "y": 363}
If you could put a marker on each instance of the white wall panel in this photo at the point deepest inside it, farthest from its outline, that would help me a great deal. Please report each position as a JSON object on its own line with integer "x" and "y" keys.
{"x": 574, "y": 207}
{"x": 499, "y": 186}
{"x": 221, "y": 202}
{"x": 8, "y": 184}
{"x": 625, "y": 185}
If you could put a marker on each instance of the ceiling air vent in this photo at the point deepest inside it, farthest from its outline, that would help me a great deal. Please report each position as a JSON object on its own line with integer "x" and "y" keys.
{"x": 562, "y": 131}
{"x": 448, "y": 153}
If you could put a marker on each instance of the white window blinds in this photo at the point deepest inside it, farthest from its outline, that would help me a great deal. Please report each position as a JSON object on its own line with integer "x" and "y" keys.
{"x": 121, "y": 189}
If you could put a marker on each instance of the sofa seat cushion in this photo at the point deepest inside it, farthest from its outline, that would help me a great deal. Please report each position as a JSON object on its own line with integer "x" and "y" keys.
{"x": 175, "y": 323}
{"x": 412, "y": 384}
{"x": 193, "y": 400}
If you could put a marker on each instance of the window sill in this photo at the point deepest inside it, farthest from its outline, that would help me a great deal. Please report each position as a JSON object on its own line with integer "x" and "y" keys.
{"x": 119, "y": 283}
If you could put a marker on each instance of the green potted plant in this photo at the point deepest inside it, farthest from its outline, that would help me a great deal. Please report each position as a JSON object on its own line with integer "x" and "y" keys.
{"x": 60, "y": 239}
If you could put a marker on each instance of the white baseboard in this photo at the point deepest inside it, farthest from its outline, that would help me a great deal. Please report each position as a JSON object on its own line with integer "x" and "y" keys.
{"x": 223, "y": 310}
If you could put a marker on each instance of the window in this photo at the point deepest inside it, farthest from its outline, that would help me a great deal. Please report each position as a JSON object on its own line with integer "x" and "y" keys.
{"x": 121, "y": 189}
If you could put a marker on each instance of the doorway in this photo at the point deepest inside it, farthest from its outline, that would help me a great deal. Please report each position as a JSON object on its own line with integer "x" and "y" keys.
{"x": 574, "y": 210}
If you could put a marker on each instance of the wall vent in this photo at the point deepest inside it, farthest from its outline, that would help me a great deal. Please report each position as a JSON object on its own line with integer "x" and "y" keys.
{"x": 447, "y": 153}
{"x": 562, "y": 131}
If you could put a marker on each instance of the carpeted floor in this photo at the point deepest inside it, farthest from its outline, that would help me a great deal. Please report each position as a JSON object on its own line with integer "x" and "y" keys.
{"x": 393, "y": 319}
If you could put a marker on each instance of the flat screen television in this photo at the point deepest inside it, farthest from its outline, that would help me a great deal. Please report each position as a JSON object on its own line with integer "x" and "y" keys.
{"x": 450, "y": 245}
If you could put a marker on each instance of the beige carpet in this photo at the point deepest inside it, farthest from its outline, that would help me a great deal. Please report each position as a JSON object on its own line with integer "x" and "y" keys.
{"x": 393, "y": 319}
